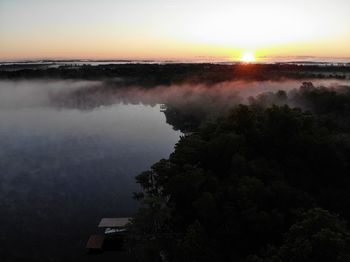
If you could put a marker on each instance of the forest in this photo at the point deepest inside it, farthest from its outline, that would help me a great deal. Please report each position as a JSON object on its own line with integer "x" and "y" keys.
{"x": 149, "y": 75}
{"x": 263, "y": 182}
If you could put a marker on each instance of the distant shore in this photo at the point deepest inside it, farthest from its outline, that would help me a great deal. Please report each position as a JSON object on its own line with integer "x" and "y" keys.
{"x": 153, "y": 73}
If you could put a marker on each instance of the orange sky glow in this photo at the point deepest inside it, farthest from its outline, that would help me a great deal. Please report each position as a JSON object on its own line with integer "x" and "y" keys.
{"x": 155, "y": 29}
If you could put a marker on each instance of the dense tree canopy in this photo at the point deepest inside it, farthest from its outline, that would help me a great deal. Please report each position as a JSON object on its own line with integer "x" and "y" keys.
{"x": 262, "y": 183}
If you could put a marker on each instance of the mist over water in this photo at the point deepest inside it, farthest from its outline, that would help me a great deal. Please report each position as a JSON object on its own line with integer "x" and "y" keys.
{"x": 231, "y": 92}
{"x": 63, "y": 169}
{"x": 69, "y": 152}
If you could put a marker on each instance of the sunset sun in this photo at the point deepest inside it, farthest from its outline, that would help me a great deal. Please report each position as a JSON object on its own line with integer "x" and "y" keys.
{"x": 247, "y": 57}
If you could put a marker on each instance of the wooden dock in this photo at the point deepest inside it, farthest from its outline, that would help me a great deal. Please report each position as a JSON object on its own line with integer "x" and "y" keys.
{"x": 112, "y": 238}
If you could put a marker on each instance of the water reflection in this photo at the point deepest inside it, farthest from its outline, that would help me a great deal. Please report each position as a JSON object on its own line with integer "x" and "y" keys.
{"x": 63, "y": 168}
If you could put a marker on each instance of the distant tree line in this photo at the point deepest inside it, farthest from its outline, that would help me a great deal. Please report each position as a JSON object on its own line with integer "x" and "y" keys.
{"x": 166, "y": 74}
{"x": 330, "y": 105}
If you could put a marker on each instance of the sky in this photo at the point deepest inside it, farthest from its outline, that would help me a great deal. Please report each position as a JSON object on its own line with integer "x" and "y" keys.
{"x": 173, "y": 29}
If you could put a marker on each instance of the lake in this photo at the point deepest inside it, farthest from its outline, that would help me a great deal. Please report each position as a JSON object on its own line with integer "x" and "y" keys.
{"x": 63, "y": 168}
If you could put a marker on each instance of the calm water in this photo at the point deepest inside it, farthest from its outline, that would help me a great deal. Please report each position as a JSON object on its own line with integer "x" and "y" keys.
{"x": 63, "y": 168}
{"x": 70, "y": 150}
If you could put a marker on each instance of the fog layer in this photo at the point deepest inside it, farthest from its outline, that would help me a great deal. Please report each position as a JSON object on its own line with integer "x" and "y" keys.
{"x": 69, "y": 152}
{"x": 63, "y": 166}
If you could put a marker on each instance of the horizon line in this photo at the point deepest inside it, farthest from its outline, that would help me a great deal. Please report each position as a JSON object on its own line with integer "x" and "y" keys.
{"x": 301, "y": 58}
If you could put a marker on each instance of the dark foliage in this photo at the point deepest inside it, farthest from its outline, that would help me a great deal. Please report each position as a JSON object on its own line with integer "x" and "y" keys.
{"x": 166, "y": 74}
{"x": 260, "y": 184}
